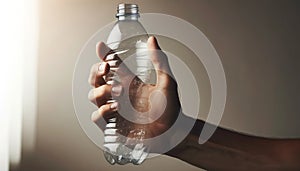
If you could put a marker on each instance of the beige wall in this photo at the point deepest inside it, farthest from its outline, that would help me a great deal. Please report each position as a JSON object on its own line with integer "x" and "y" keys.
{"x": 258, "y": 42}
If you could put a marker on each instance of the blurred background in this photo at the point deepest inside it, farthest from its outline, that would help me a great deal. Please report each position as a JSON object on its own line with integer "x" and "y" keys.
{"x": 257, "y": 41}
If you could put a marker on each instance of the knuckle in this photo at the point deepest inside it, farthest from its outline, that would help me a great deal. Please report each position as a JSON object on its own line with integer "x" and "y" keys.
{"x": 92, "y": 75}
{"x": 91, "y": 95}
{"x": 95, "y": 116}
{"x": 95, "y": 67}
{"x": 91, "y": 79}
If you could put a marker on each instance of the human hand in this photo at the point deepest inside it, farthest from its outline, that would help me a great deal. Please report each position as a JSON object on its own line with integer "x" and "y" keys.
{"x": 155, "y": 107}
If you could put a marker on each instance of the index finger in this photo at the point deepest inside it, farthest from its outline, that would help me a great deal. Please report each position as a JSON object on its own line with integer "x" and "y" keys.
{"x": 102, "y": 50}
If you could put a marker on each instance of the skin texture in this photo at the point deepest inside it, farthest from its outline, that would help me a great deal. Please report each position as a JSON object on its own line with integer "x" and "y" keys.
{"x": 142, "y": 96}
{"x": 225, "y": 150}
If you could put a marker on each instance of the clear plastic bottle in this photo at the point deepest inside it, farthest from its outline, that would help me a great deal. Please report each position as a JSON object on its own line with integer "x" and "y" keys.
{"x": 126, "y": 38}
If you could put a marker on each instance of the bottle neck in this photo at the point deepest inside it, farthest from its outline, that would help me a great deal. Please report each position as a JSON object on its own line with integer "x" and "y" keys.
{"x": 133, "y": 17}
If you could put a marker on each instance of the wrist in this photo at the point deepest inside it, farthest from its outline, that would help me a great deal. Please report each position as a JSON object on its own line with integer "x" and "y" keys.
{"x": 190, "y": 139}
{"x": 179, "y": 148}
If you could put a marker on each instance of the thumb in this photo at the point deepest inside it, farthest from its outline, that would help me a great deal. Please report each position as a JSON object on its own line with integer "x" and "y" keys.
{"x": 160, "y": 62}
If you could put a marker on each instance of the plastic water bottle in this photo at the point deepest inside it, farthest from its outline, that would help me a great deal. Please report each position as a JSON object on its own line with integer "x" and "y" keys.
{"x": 126, "y": 38}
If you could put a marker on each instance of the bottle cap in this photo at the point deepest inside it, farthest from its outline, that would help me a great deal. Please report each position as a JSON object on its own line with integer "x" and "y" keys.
{"x": 127, "y": 9}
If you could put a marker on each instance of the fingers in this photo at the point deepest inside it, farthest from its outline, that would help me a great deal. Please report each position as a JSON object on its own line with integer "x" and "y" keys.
{"x": 100, "y": 95}
{"x": 102, "y": 50}
{"x": 97, "y": 72}
{"x": 112, "y": 58}
{"x": 160, "y": 62}
{"x": 104, "y": 113}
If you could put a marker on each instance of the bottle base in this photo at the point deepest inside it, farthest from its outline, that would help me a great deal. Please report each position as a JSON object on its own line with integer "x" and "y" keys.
{"x": 125, "y": 155}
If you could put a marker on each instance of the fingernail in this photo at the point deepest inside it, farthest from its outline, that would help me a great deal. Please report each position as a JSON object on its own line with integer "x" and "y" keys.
{"x": 114, "y": 105}
{"x": 101, "y": 67}
{"x": 113, "y": 63}
{"x": 110, "y": 57}
{"x": 116, "y": 90}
